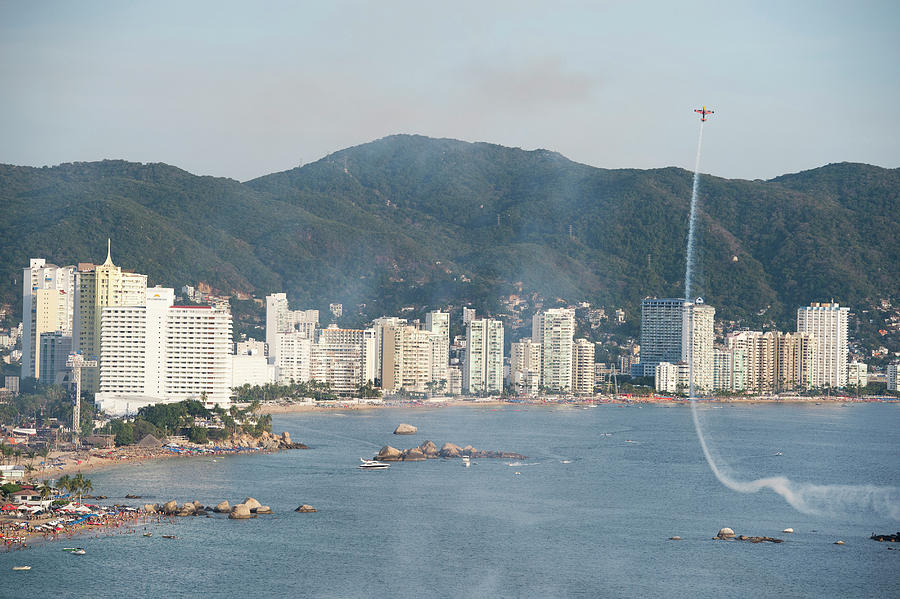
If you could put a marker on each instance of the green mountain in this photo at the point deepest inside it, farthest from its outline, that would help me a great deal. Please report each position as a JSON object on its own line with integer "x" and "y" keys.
{"x": 414, "y": 221}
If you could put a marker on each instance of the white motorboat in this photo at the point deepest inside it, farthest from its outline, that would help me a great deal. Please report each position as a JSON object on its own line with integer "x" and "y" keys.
{"x": 466, "y": 461}
{"x": 21, "y": 568}
{"x": 373, "y": 464}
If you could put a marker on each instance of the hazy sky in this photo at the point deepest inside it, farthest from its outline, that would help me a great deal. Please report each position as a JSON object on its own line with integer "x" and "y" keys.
{"x": 246, "y": 89}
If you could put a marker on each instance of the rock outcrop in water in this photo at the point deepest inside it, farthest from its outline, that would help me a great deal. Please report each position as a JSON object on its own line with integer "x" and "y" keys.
{"x": 406, "y": 429}
{"x": 728, "y": 535}
{"x": 428, "y": 450}
{"x": 886, "y": 538}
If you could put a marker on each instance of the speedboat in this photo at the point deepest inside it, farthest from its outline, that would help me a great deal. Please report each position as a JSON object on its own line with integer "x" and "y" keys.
{"x": 466, "y": 461}
{"x": 78, "y": 551}
{"x": 373, "y": 464}
{"x": 21, "y": 568}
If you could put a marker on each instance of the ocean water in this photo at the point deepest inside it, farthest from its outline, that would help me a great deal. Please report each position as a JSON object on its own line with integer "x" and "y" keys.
{"x": 588, "y": 514}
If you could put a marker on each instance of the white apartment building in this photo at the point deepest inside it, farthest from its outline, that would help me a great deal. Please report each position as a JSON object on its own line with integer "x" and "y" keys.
{"x": 438, "y": 322}
{"x": 525, "y": 366}
{"x": 893, "y": 377}
{"x": 483, "y": 367}
{"x": 252, "y": 369}
{"x": 829, "y": 324}
{"x": 857, "y": 374}
{"x": 293, "y": 357}
{"x": 672, "y": 378}
{"x": 698, "y": 334}
{"x": 772, "y": 361}
{"x": 378, "y": 325}
{"x": 281, "y": 319}
{"x": 406, "y": 358}
{"x": 583, "y": 367}
{"x": 159, "y": 352}
{"x": 48, "y": 304}
{"x": 554, "y": 329}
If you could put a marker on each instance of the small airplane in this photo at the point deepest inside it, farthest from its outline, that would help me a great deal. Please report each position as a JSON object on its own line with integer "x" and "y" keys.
{"x": 703, "y": 112}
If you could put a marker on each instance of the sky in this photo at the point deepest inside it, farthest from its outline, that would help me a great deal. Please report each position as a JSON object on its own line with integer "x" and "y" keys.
{"x": 241, "y": 90}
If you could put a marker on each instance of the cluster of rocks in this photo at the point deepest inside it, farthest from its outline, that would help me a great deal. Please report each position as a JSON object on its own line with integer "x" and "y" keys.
{"x": 428, "y": 450}
{"x": 171, "y": 508}
{"x": 248, "y": 508}
{"x": 268, "y": 441}
{"x": 728, "y": 534}
{"x": 886, "y": 538}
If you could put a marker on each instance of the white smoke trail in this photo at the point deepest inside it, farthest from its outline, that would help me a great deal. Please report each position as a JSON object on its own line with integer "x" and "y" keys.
{"x": 804, "y": 497}
{"x": 689, "y": 267}
{"x": 809, "y": 498}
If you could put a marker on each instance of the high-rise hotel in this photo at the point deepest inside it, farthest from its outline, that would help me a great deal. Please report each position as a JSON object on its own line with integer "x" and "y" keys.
{"x": 677, "y": 330}
{"x": 828, "y": 324}
{"x": 97, "y": 287}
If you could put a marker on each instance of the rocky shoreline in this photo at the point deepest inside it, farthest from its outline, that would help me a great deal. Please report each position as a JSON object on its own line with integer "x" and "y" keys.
{"x": 429, "y": 450}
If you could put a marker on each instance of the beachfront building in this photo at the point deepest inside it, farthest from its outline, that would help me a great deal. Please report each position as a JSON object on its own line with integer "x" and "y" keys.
{"x": 438, "y": 322}
{"x": 293, "y": 357}
{"x": 379, "y": 325}
{"x": 583, "y": 367}
{"x": 97, "y": 287}
{"x": 672, "y": 378}
{"x": 525, "y": 366}
{"x": 893, "y": 377}
{"x": 771, "y": 362}
{"x": 483, "y": 367}
{"x": 828, "y": 323}
{"x": 677, "y": 330}
{"x": 554, "y": 329}
{"x": 857, "y": 374}
{"x": 160, "y": 353}
{"x": 252, "y": 368}
{"x": 280, "y": 320}
{"x": 48, "y": 304}
{"x": 406, "y": 358}
{"x": 343, "y": 358}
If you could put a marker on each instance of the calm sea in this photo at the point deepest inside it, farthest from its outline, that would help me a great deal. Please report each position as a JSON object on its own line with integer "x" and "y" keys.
{"x": 588, "y": 514}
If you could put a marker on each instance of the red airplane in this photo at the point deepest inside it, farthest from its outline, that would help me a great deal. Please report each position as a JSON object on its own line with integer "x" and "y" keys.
{"x": 703, "y": 112}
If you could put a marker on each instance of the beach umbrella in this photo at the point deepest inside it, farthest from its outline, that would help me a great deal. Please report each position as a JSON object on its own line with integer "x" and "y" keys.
{"x": 8, "y": 507}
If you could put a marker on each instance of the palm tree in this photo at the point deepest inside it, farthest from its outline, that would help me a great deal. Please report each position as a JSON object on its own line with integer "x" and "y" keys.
{"x": 45, "y": 489}
{"x": 64, "y": 483}
{"x": 77, "y": 484}
{"x": 86, "y": 486}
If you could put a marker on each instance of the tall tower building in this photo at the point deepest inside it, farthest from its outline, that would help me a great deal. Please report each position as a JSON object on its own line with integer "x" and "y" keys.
{"x": 48, "y": 301}
{"x": 661, "y": 338}
{"x": 281, "y": 319}
{"x": 525, "y": 366}
{"x": 698, "y": 334}
{"x": 828, "y": 323}
{"x": 406, "y": 358}
{"x": 583, "y": 367}
{"x": 97, "y": 287}
{"x": 483, "y": 367}
{"x": 438, "y": 323}
{"x": 554, "y": 329}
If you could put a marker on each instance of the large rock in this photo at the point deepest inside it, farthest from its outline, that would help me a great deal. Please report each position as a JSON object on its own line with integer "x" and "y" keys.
{"x": 725, "y": 533}
{"x": 222, "y": 508}
{"x": 305, "y": 509}
{"x": 286, "y": 438}
{"x": 429, "y": 449}
{"x": 170, "y": 507}
{"x": 413, "y": 455}
{"x": 388, "y": 454}
{"x": 405, "y": 429}
{"x": 239, "y": 512}
{"x": 187, "y": 509}
{"x": 263, "y": 509}
{"x": 450, "y": 450}
{"x": 251, "y": 503}
{"x": 150, "y": 508}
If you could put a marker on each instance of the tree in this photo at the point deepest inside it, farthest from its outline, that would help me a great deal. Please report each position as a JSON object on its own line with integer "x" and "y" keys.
{"x": 64, "y": 483}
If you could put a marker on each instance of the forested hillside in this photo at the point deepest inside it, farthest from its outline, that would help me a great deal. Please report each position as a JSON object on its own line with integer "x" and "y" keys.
{"x": 414, "y": 221}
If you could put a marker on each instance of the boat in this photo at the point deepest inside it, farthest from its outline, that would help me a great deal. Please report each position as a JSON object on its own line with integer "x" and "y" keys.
{"x": 78, "y": 551}
{"x": 373, "y": 464}
{"x": 169, "y": 536}
{"x": 466, "y": 461}
{"x": 779, "y": 453}
{"x": 148, "y": 534}
{"x": 20, "y": 568}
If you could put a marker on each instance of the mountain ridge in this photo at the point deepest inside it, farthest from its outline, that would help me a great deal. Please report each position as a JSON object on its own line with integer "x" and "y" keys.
{"x": 415, "y": 221}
